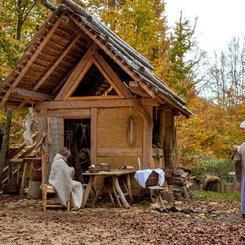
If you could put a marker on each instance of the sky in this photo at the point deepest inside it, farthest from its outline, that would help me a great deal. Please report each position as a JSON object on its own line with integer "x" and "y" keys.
{"x": 218, "y": 20}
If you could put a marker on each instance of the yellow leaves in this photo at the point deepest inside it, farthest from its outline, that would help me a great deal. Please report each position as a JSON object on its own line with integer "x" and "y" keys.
{"x": 211, "y": 131}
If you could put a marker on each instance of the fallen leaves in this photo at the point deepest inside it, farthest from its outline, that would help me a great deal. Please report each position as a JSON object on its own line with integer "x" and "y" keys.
{"x": 22, "y": 221}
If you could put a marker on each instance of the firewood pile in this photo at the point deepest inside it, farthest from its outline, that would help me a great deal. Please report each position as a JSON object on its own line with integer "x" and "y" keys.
{"x": 182, "y": 184}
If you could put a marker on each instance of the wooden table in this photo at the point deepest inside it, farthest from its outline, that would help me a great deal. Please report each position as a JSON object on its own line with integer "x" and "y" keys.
{"x": 114, "y": 174}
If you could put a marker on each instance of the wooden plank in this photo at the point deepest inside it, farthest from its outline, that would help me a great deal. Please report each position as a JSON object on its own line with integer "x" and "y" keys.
{"x": 30, "y": 62}
{"x": 70, "y": 113}
{"x": 75, "y": 98}
{"x": 93, "y": 133}
{"x": 113, "y": 76}
{"x": 35, "y": 96}
{"x": 80, "y": 66}
{"x": 45, "y": 76}
{"x": 105, "y": 103}
{"x": 111, "y": 152}
{"x": 147, "y": 141}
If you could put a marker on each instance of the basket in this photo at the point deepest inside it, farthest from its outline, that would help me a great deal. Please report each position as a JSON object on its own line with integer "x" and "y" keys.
{"x": 105, "y": 167}
{"x": 152, "y": 179}
{"x": 94, "y": 169}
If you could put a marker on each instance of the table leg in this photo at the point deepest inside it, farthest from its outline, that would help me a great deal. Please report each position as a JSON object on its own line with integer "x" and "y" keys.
{"x": 116, "y": 195}
{"x": 98, "y": 192}
{"x": 88, "y": 190}
{"x": 119, "y": 191}
{"x": 128, "y": 183}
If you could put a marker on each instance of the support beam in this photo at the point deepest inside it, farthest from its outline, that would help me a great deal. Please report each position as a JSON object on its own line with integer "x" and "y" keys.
{"x": 106, "y": 103}
{"x": 136, "y": 89}
{"x": 94, "y": 134}
{"x": 28, "y": 94}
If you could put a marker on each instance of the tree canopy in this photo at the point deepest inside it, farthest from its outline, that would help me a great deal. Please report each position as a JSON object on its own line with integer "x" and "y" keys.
{"x": 143, "y": 25}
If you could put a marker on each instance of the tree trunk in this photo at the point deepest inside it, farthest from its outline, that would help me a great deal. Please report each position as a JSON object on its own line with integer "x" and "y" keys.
{"x": 5, "y": 143}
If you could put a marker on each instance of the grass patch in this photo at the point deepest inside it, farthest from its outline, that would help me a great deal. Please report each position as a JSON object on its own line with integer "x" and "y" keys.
{"x": 215, "y": 196}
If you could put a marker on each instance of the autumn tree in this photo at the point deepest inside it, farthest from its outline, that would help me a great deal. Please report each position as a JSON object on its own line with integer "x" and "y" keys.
{"x": 19, "y": 21}
{"x": 226, "y": 75}
{"x": 184, "y": 56}
{"x": 140, "y": 23}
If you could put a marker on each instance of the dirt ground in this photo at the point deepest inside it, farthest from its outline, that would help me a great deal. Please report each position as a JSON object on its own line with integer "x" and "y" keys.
{"x": 22, "y": 221}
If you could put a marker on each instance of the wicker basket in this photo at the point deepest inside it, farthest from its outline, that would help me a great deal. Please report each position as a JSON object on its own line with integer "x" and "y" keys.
{"x": 152, "y": 179}
{"x": 94, "y": 169}
{"x": 105, "y": 167}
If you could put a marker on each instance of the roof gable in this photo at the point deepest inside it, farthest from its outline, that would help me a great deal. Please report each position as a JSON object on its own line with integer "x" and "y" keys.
{"x": 65, "y": 48}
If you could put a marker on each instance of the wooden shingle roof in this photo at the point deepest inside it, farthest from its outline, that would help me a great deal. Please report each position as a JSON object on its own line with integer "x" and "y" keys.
{"x": 57, "y": 49}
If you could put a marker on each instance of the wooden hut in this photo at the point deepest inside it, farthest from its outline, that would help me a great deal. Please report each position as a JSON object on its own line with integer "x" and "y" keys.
{"x": 95, "y": 94}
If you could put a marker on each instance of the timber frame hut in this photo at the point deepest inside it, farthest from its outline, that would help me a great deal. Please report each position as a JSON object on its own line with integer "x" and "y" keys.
{"x": 94, "y": 94}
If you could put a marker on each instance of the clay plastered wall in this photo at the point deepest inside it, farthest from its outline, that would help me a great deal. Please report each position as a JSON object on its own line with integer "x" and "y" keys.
{"x": 113, "y": 128}
{"x": 112, "y": 138}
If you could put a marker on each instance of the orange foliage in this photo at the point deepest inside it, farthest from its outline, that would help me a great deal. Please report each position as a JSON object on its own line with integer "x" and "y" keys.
{"x": 211, "y": 131}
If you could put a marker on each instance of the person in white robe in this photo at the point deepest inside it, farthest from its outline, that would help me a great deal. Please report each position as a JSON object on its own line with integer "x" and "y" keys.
{"x": 61, "y": 178}
{"x": 241, "y": 150}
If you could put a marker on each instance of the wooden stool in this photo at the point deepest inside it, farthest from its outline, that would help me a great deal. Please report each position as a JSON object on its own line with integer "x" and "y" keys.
{"x": 48, "y": 189}
{"x": 155, "y": 190}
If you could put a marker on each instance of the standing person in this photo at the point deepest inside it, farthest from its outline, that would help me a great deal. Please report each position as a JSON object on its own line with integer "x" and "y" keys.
{"x": 241, "y": 150}
{"x": 61, "y": 178}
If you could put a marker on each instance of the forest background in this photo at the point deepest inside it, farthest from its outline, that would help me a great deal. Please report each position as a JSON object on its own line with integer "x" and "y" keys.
{"x": 211, "y": 84}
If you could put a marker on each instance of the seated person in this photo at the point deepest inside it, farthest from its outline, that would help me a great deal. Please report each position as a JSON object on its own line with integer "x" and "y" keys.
{"x": 61, "y": 178}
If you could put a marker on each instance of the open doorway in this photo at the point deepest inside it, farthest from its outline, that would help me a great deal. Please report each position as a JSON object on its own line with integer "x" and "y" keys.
{"x": 77, "y": 139}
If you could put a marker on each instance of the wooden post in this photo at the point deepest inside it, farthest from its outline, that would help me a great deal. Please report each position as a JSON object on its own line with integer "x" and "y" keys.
{"x": 162, "y": 129}
{"x": 169, "y": 140}
{"x": 147, "y": 140}
{"x": 93, "y": 133}
{"x": 44, "y": 146}
{"x": 22, "y": 186}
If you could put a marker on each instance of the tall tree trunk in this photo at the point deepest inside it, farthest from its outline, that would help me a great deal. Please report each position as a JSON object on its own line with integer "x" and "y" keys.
{"x": 5, "y": 143}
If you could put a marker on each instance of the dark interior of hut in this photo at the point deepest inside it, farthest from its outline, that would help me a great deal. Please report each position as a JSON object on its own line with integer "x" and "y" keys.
{"x": 77, "y": 139}
{"x": 99, "y": 86}
{"x": 156, "y": 128}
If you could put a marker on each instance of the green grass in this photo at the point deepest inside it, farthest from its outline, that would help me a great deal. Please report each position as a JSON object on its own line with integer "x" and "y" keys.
{"x": 215, "y": 196}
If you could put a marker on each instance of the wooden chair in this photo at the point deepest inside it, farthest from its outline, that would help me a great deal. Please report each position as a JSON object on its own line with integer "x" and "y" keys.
{"x": 49, "y": 190}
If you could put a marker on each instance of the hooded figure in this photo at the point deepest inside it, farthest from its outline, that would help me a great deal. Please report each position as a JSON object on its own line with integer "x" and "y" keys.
{"x": 241, "y": 150}
{"x": 61, "y": 178}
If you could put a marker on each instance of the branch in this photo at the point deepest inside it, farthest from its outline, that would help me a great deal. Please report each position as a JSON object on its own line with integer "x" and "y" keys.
{"x": 28, "y": 11}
